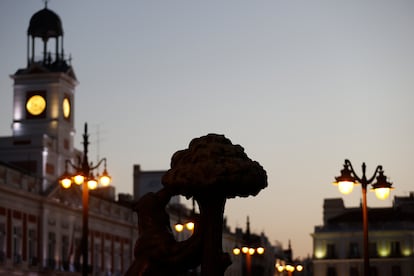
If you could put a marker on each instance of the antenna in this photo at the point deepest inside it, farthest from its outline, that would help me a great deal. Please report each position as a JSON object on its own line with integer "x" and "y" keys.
{"x": 98, "y": 141}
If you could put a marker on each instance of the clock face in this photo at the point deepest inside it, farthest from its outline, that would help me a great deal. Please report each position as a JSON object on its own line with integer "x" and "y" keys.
{"x": 35, "y": 105}
{"x": 66, "y": 107}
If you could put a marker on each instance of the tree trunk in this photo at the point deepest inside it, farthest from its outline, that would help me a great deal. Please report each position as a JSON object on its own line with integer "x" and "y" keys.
{"x": 214, "y": 262}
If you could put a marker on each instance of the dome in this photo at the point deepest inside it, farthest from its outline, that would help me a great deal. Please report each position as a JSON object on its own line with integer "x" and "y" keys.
{"x": 45, "y": 24}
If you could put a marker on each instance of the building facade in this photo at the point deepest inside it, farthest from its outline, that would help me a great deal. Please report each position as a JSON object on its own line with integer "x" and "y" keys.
{"x": 40, "y": 222}
{"x": 338, "y": 243}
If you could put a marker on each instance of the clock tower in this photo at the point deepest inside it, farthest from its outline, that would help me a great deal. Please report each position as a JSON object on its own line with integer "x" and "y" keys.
{"x": 43, "y": 117}
{"x": 44, "y": 90}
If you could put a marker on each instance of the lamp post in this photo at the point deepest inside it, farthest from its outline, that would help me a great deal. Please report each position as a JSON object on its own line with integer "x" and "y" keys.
{"x": 84, "y": 176}
{"x": 289, "y": 268}
{"x": 248, "y": 249}
{"x": 179, "y": 227}
{"x": 382, "y": 187}
{"x": 189, "y": 221}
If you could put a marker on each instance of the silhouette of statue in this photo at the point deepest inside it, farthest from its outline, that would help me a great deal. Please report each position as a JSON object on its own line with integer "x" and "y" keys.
{"x": 156, "y": 251}
{"x": 211, "y": 170}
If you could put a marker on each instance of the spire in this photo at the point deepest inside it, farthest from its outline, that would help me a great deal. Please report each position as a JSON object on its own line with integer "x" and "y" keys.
{"x": 248, "y": 226}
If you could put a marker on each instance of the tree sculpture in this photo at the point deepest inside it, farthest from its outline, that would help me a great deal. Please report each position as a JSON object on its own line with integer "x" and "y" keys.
{"x": 211, "y": 170}
{"x": 156, "y": 251}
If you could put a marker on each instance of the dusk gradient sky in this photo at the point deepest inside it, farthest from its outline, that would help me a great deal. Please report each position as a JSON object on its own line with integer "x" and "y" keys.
{"x": 301, "y": 85}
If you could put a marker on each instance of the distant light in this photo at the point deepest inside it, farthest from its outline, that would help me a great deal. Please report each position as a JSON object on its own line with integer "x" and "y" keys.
{"x": 179, "y": 227}
{"x": 299, "y": 268}
{"x": 66, "y": 183}
{"x": 78, "y": 179}
{"x": 251, "y": 251}
{"x": 320, "y": 253}
{"x": 384, "y": 249}
{"x": 260, "y": 250}
{"x": 190, "y": 225}
{"x": 290, "y": 268}
{"x": 105, "y": 179}
{"x": 236, "y": 251}
{"x": 406, "y": 252}
{"x": 92, "y": 184}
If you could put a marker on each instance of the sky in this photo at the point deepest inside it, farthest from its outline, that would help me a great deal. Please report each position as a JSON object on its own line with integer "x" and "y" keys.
{"x": 301, "y": 85}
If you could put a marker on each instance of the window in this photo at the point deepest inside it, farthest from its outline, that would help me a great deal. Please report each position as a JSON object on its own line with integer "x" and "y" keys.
{"x": 65, "y": 252}
{"x": 331, "y": 271}
{"x": 97, "y": 257}
{"x": 396, "y": 270}
{"x": 117, "y": 258}
{"x": 78, "y": 251}
{"x": 51, "y": 247}
{"x": 331, "y": 251}
{"x": 354, "y": 250}
{"x": 372, "y": 250}
{"x": 373, "y": 271}
{"x": 32, "y": 246}
{"x": 17, "y": 239}
{"x": 126, "y": 256}
{"x": 395, "y": 249}
{"x": 2, "y": 242}
{"x": 353, "y": 271}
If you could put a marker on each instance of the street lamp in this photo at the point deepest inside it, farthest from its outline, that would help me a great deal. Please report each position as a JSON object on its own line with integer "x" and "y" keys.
{"x": 179, "y": 226}
{"x": 84, "y": 175}
{"x": 289, "y": 268}
{"x": 189, "y": 222}
{"x": 248, "y": 251}
{"x": 382, "y": 187}
{"x": 248, "y": 248}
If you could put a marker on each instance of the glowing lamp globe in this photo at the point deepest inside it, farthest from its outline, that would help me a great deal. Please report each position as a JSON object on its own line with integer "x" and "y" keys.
{"x": 78, "y": 179}
{"x": 92, "y": 184}
{"x": 179, "y": 227}
{"x": 105, "y": 179}
{"x": 236, "y": 251}
{"x": 345, "y": 187}
{"x": 66, "y": 182}
{"x": 345, "y": 181}
{"x": 190, "y": 226}
{"x": 382, "y": 187}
